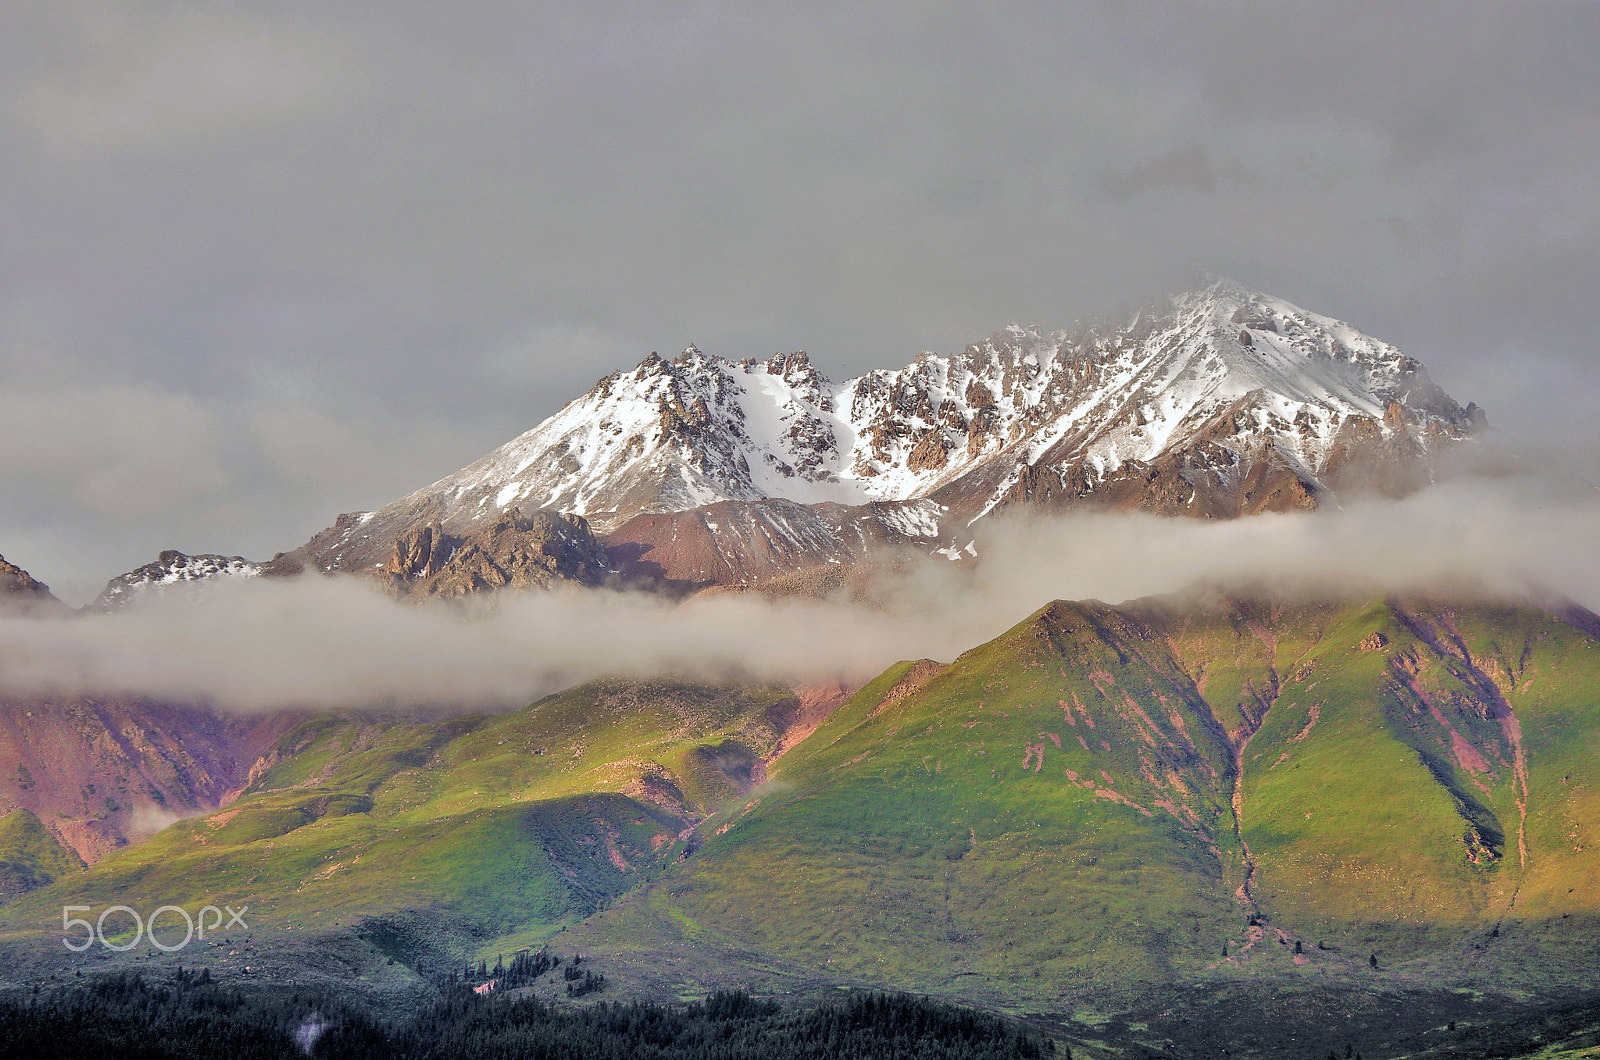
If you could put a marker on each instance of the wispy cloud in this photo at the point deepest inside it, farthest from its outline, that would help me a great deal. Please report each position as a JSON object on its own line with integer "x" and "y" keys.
{"x": 338, "y": 643}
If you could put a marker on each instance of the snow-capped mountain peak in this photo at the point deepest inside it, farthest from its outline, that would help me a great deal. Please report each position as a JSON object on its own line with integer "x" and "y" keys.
{"x": 1217, "y": 402}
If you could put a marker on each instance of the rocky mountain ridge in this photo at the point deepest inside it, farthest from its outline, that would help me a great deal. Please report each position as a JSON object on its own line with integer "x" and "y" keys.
{"x": 423, "y": 560}
{"x": 1182, "y": 381}
{"x": 701, "y": 470}
{"x": 170, "y": 568}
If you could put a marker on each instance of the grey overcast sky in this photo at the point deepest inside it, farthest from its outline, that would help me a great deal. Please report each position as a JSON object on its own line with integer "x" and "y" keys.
{"x": 263, "y": 263}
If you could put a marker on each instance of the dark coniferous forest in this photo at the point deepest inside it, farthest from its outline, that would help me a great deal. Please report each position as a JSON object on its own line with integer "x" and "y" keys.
{"x": 191, "y": 1017}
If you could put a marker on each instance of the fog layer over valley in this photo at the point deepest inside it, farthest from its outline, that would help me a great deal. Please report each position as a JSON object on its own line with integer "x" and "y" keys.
{"x": 336, "y": 642}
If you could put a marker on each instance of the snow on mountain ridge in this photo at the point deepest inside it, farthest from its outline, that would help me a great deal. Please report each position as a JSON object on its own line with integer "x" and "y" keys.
{"x": 1218, "y": 402}
{"x": 675, "y": 435}
{"x": 170, "y": 568}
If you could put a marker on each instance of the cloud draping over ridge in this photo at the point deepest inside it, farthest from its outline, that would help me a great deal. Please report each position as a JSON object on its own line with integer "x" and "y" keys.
{"x": 319, "y": 642}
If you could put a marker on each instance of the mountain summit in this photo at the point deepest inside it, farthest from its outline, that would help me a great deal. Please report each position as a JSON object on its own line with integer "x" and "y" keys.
{"x": 1218, "y": 403}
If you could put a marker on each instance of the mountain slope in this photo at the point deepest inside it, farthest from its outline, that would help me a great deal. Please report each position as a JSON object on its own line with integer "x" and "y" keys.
{"x": 1172, "y": 809}
{"x": 102, "y": 771}
{"x": 1100, "y": 803}
{"x": 1218, "y": 403}
{"x": 511, "y": 823}
{"x": 21, "y": 593}
{"x": 1105, "y": 802}
{"x": 30, "y": 856}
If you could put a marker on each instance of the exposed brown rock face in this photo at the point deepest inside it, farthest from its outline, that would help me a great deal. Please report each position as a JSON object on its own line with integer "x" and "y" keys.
{"x": 1212, "y": 477}
{"x": 811, "y": 706}
{"x": 420, "y": 553}
{"x": 517, "y": 552}
{"x": 928, "y": 454}
{"x": 734, "y": 543}
{"x": 921, "y": 672}
{"x": 513, "y": 551}
{"x": 21, "y": 591}
{"x": 102, "y": 771}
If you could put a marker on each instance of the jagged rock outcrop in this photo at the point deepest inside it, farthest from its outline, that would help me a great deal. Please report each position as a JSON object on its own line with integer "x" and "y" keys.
{"x": 513, "y": 551}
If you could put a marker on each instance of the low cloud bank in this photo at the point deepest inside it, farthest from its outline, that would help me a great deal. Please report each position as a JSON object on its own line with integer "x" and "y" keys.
{"x": 317, "y": 642}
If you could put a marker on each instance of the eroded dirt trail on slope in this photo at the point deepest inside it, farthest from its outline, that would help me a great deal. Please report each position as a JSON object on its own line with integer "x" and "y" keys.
{"x": 1244, "y": 893}
{"x": 1510, "y": 727}
{"x": 1238, "y": 740}
{"x": 1450, "y": 646}
{"x": 1519, "y": 765}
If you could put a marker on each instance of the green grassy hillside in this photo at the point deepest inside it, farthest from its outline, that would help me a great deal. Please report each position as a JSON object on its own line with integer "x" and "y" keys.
{"x": 30, "y": 857}
{"x": 491, "y": 825}
{"x": 1104, "y": 801}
